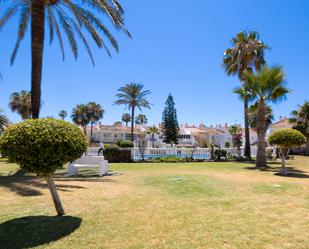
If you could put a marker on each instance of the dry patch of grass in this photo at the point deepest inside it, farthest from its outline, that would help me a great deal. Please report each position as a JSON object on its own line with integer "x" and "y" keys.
{"x": 192, "y": 205}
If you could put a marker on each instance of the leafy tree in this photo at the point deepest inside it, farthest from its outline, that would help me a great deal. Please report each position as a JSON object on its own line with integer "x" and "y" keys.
{"x": 141, "y": 119}
{"x": 20, "y": 102}
{"x": 300, "y": 118}
{"x": 94, "y": 112}
{"x": 267, "y": 85}
{"x": 126, "y": 117}
{"x": 80, "y": 116}
{"x": 63, "y": 114}
{"x": 246, "y": 54}
{"x": 170, "y": 126}
{"x": 4, "y": 121}
{"x": 236, "y": 134}
{"x": 153, "y": 130}
{"x": 284, "y": 140}
{"x": 132, "y": 95}
{"x": 74, "y": 17}
{"x": 42, "y": 146}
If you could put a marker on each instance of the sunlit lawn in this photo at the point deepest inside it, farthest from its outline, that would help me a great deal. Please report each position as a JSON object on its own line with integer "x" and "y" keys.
{"x": 196, "y": 205}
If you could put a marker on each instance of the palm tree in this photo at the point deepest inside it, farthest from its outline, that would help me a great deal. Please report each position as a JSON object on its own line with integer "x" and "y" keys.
{"x": 246, "y": 54}
{"x": 20, "y": 102}
{"x": 126, "y": 117}
{"x": 63, "y": 114}
{"x": 74, "y": 17}
{"x": 153, "y": 130}
{"x": 268, "y": 85}
{"x": 236, "y": 133}
{"x": 253, "y": 115}
{"x": 94, "y": 112}
{"x": 4, "y": 121}
{"x": 80, "y": 116}
{"x": 300, "y": 118}
{"x": 132, "y": 95}
{"x": 141, "y": 119}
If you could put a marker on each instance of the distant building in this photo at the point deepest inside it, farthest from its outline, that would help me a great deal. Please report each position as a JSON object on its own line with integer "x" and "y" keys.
{"x": 283, "y": 123}
{"x": 190, "y": 135}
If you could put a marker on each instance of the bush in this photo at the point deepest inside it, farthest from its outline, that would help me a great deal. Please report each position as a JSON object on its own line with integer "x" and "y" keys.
{"x": 287, "y": 138}
{"x": 126, "y": 144}
{"x": 227, "y": 144}
{"x": 115, "y": 155}
{"x": 42, "y": 146}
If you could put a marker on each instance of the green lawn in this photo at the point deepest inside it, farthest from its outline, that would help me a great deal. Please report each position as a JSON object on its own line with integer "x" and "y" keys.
{"x": 190, "y": 205}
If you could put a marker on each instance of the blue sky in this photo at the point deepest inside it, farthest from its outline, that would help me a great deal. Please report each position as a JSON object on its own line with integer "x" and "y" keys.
{"x": 177, "y": 47}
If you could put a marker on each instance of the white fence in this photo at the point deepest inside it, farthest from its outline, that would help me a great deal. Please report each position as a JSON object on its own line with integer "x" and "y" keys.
{"x": 195, "y": 153}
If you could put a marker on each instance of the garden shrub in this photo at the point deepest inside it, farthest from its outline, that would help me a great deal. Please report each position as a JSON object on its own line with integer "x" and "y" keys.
{"x": 115, "y": 155}
{"x": 42, "y": 146}
{"x": 126, "y": 144}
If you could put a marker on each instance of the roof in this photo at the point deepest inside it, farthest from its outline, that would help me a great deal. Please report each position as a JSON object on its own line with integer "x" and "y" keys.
{"x": 283, "y": 123}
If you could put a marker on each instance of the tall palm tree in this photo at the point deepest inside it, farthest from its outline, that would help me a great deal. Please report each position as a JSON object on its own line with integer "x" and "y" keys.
{"x": 141, "y": 119}
{"x": 126, "y": 117}
{"x": 300, "y": 118}
{"x": 132, "y": 95}
{"x": 80, "y": 116}
{"x": 95, "y": 112}
{"x": 153, "y": 130}
{"x": 246, "y": 54}
{"x": 74, "y": 18}
{"x": 20, "y": 102}
{"x": 63, "y": 114}
{"x": 267, "y": 85}
{"x": 4, "y": 121}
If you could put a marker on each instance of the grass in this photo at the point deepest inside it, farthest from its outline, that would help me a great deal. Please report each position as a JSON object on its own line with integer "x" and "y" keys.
{"x": 188, "y": 205}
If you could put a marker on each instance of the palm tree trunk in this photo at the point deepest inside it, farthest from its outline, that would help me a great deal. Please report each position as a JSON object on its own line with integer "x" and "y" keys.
{"x": 153, "y": 140}
{"x": 55, "y": 196}
{"x": 261, "y": 160}
{"x": 37, "y": 46}
{"x": 247, "y": 152}
{"x": 91, "y": 130}
{"x": 132, "y": 124}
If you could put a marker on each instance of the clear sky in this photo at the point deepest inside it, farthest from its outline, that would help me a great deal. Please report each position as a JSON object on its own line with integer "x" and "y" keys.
{"x": 177, "y": 48}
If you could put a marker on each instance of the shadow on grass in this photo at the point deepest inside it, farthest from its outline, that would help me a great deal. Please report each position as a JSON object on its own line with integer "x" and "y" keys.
{"x": 275, "y": 167}
{"x": 33, "y": 231}
{"x": 25, "y": 185}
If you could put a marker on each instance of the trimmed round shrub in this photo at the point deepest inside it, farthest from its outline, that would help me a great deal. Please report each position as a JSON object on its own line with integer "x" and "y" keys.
{"x": 126, "y": 144}
{"x": 284, "y": 140}
{"x": 287, "y": 138}
{"x": 43, "y": 145}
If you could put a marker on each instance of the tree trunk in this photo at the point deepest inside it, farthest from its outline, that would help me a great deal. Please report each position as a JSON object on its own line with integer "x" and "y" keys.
{"x": 153, "y": 140}
{"x": 307, "y": 147}
{"x": 37, "y": 46}
{"x": 91, "y": 130}
{"x": 247, "y": 151}
{"x": 55, "y": 196}
{"x": 132, "y": 124}
{"x": 261, "y": 160}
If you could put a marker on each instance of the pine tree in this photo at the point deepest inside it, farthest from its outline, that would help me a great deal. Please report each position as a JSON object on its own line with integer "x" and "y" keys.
{"x": 170, "y": 124}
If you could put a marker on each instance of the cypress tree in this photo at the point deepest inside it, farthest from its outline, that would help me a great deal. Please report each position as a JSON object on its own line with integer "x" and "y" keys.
{"x": 170, "y": 124}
